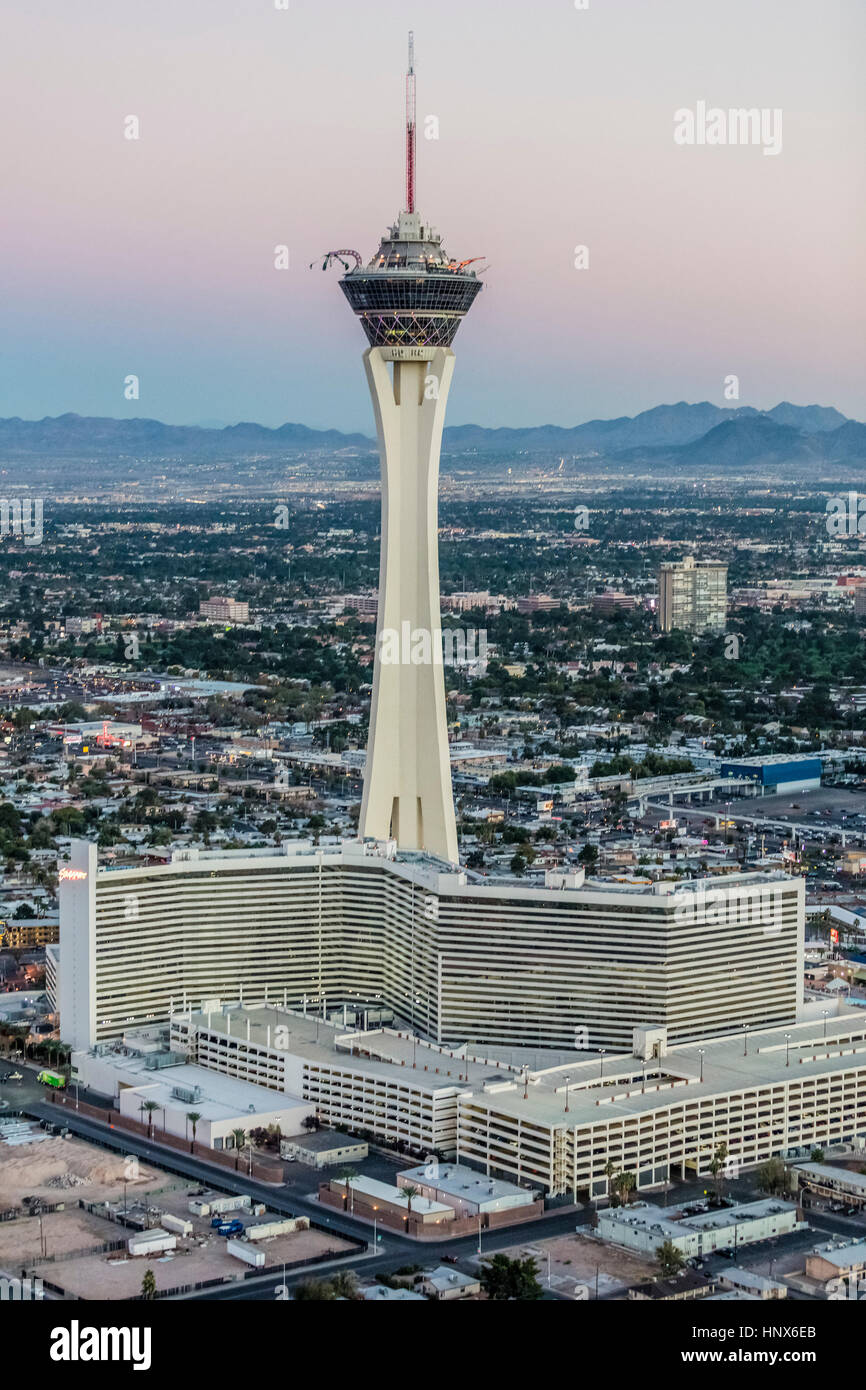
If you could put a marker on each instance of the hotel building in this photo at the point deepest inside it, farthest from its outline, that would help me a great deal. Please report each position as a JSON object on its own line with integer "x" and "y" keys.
{"x": 571, "y": 965}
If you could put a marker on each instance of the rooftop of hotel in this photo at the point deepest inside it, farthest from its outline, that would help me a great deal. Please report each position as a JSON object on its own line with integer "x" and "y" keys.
{"x": 438, "y": 875}
{"x": 379, "y": 1051}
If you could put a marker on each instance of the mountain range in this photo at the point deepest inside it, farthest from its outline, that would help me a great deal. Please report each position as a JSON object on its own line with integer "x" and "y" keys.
{"x": 700, "y": 434}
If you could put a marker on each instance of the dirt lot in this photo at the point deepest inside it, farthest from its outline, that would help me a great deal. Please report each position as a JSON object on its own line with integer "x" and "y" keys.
{"x": 59, "y": 1170}
{"x": 62, "y": 1231}
{"x": 573, "y": 1261}
{"x": 71, "y": 1170}
{"x": 117, "y": 1276}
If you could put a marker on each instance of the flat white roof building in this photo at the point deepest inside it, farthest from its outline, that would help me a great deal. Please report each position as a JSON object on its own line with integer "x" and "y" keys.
{"x": 468, "y": 1191}
{"x": 645, "y": 1227}
{"x": 178, "y": 1089}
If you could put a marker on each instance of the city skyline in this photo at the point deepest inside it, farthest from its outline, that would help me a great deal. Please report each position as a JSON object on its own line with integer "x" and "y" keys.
{"x": 703, "y": 262}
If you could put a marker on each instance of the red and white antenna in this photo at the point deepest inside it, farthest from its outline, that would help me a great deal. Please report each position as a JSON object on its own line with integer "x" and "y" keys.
{"x": 410, "y": 127}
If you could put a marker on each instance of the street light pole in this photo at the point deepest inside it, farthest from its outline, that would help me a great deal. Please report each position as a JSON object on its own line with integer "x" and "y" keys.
{"x": 701, "y": 1054}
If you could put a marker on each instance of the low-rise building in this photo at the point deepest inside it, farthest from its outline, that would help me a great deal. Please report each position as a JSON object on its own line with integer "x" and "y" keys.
{"x": 745, "y": 1283}
{"x": 644, "y": 1226}
{"x": 837, "y": 1264}
{"x": 827, "y": 1181}
{"x": 466, "y": 1190}
{"x": 369, "y": 1199}
{"x": 324, "y": 1148}
{"x": 448, "y": 1283}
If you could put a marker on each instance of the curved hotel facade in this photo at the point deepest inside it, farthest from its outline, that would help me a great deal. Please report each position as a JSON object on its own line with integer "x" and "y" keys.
{"x": 570, "y": 965}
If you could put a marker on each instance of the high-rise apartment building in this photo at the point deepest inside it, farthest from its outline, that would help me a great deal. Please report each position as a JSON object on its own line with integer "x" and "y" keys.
{"x": 693, "y": 594}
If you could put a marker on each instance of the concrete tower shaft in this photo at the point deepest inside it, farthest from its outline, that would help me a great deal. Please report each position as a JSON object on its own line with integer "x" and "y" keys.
{"x": 407, "y": 783}
{"x": 410, "y": 299}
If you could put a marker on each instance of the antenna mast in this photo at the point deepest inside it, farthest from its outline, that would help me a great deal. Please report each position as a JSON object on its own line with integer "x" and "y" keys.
{"x": 410, "y": 127}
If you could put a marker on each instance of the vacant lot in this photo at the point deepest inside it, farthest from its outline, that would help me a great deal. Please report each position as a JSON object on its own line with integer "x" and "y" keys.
{"x": 197, "y": 1258}
{"x": 59, "y": 1170}
{"x": 574, "y": 1261}
{"x": 61, "y": 1231}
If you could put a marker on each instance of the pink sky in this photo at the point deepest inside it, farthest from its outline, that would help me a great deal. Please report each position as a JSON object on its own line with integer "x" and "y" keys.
{"x": 261, "y": 127}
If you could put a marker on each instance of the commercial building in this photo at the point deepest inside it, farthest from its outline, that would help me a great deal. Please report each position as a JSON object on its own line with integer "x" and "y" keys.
{"x": 323, "y": 1148}
{"x": 644, "y": 1227}
{"x": 369, "y": 1198}
{"x": 827, "y": 1181}
{"x": 557, "y": 966}
{"x": 777, "y": 773}
{"x": 148, "y": 1082}
{"x": 470, "y": 1193}
{"x": 224, "y": 610}
{"x": 693, "y": 595}
{"x": 613, "y": 602}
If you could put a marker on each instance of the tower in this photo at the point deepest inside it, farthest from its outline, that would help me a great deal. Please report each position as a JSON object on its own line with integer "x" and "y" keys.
{"x": 410, "y": 300}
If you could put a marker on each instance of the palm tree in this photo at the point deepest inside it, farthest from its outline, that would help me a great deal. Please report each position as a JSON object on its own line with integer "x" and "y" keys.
{"x": 609, "y": 1170}
{"x": 192, "y": 1118}
{"x": 346, "y": 1175}
{"x": 409, "y": 1193}
{"x": 149, "y": 1106}
{"x": 623, "y": 1184}
{"x": 717, "y": 1168}
{"x": 239, "y": 1135}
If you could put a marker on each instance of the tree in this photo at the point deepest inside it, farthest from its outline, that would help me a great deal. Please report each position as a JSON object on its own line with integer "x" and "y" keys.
{"x": 817, "y": 1155}
{"x": 773, "y": 1176}
{"x": 239, "y": 1136}
{"x": 588, "y": 854}
{"x": 148, "y": 1285}
{"x": 504, "y": 1279}
{"x": 622, "y": 1184}
{"x": 314, "y": 1291}
{"x": 409, "y": 1193}
{"x": 670, "y": 1259}
{"x": 717, "y": 1168}
{"x": 192, "y": 1118}
{"x": 149, "y": 1106}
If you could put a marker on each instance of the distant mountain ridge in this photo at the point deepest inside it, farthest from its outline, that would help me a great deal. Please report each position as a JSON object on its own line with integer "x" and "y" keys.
{"x": 663, "y": 425}
{"x": 699, "y": 433}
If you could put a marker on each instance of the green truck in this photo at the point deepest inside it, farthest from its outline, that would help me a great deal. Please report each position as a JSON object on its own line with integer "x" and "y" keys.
{"x": 52, "y": 1078}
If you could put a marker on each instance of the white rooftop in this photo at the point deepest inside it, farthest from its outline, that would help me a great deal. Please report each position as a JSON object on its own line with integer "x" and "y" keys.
{"x": 222, "y": 1097}
{"x": 371, "y": 1187}
{"x": 466, "y": 1183}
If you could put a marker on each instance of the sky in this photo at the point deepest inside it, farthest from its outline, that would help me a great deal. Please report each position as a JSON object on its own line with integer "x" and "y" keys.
{"x": 261, "y": 127}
